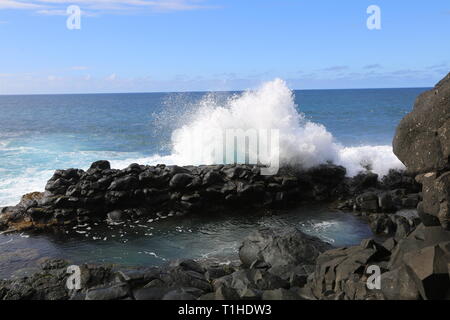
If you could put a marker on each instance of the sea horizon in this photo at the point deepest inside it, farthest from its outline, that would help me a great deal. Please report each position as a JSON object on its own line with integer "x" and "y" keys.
{"x": 211, "y": 91}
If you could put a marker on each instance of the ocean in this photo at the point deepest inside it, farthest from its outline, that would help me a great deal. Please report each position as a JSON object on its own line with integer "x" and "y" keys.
{"x": 41, "y": 133}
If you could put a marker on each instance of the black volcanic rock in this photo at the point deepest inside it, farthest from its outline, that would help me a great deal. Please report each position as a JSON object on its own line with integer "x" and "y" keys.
{"x": 101, "y": 165}
{"x": 422, "y": 139}
{"x": 99, "y": 193}
{"x": 280, "y": 249}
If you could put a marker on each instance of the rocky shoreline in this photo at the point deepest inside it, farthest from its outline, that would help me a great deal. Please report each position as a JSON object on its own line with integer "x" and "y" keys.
{"x": 100, "y": 194}
{"x": 414, "y": 260}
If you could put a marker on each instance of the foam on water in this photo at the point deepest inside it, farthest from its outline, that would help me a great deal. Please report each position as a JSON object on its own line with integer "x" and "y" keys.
{"x": 12, "y": 188}
{"x": 302, "y": 142}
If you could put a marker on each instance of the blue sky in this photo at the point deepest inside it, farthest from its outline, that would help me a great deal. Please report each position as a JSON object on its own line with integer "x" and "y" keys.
{"x": 184, "y": 45}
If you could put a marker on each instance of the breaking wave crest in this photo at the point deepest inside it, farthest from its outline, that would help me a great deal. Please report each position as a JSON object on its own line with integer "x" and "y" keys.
{"x": 302, "y": 142}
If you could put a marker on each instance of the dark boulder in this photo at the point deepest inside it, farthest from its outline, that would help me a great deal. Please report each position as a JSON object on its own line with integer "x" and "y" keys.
{"x": 420, "y": 238}
{"x": 101, "y": 165}
{"x": 429, "y": 269}
{"x": 180, "y": 180}
{"x": 181, "y": 294}
{"x": 368, "y": 202}
{"x": 280, "y": 294}
{"x": 125, "y": 183}
{"x": 281, "y": 249}
{"x": 341, "y": 273}
{"x": 422, "y": 139}
{"x": 212, "y": 177}
{"x": 435, "y": 208}
{"x": 116, "y": 215}
{"x": 399, "y": 284}
{"x": 364, "y": 180}
{"x": 400, "y": 179}
{"x": 150, "y": 293}
{"x": 108, "y": 292}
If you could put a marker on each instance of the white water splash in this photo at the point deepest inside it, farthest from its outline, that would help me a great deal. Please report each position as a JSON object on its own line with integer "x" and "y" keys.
{"x": 302, "y": 143}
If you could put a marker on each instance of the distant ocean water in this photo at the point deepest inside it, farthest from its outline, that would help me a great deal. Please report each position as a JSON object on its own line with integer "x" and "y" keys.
{"x": 41, "y": 133}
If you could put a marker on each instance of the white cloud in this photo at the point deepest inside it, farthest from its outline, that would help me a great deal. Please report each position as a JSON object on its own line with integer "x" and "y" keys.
{"x": 79, "y": 68}
{"x": 52, "y": 12}
{"x": 13, "y": 4}
{"x": 94, "y": 7}
{"x": 111, "y": 77}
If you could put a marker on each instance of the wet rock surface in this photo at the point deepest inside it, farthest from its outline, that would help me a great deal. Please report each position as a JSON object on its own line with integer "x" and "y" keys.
{"x": 178, "y": 280}
{"x": 77, "y": 196}
{"x": 289, "y": 265}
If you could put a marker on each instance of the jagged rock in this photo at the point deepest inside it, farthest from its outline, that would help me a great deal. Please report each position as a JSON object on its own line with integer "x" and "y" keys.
{"x": 192, "y": 265}
{"x": 182, "y": 294}
{"x": 75, "y": 196}
{"x": 390, "y": 244}
{"x": 212, "y": 177}
{"x": 153, "y": 293}
{"x": 281, "y": 249}
{"x": 249, "y": 284}
{"x": 382, "y": 224}
{"x": 113, "y": 292}
{"x": 422, "y": 139}
{"x": 326, "y": 174}
{"x": 400, "y": 179}
{"x": 218, "y": 271}
{"x": 429, "y": 269}
{"x": 226, "y": 293}
{"x": 279, "y": 294}
{"x": 398, "y": 284}
{"x": 365, "y": 180}
{"x": 181, "y": 180}
{"x": 341, "y": 272}
{"x": 139, "y": 276}
{"x": 426, "y": 218}
{"x": 101, "y": 165}
{"x": 420, "y": 238}
{"x": 385, "y": 202}
{"x": 411, "y": 201}
{"x": 436, "y": 197}
{"x": 368, "y": 202}
{"x": 403, "y": 228}
{"x": 179, "y": 276}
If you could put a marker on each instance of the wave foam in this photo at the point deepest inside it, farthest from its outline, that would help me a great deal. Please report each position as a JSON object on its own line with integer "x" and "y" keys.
{"x": 32, "y": 179}
{"x": 302, "y": 143}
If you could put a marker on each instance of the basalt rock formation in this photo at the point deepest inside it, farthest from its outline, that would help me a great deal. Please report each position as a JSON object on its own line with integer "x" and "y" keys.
{"x": 77, "y": 196}
{"x": 422, "y": 143}
{"x": 415, "y": 263}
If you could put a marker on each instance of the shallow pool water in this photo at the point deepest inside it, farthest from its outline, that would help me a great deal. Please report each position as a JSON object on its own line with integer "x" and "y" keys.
{"x": 145, "y": 242}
